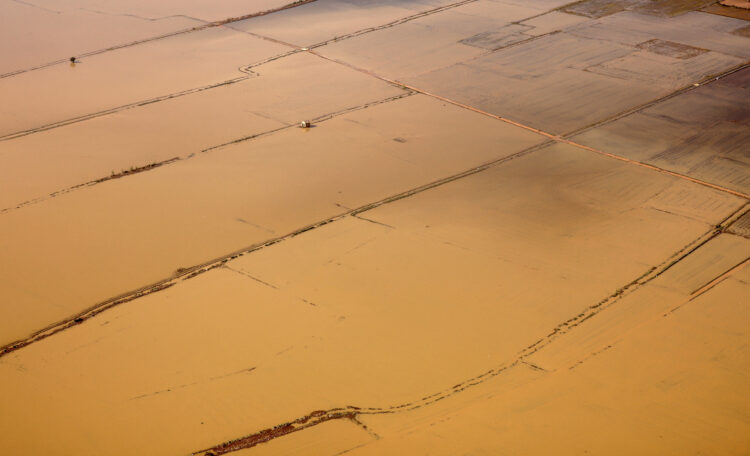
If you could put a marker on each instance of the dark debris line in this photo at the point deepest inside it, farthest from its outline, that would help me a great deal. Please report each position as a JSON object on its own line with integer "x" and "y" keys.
{"x": 312, "y": 419}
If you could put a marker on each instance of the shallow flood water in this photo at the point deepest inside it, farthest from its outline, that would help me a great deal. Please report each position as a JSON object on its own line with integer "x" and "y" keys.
{"x": 509, "y": 227}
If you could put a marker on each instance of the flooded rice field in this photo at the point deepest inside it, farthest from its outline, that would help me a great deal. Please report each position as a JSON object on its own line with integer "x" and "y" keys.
{"x": 373, "y": 227}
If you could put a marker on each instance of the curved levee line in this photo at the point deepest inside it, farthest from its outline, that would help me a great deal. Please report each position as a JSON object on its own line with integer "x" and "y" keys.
{"x": 352, "y": 412}
{"x": 161, "y": 37}
{"x": 245, "y": 68}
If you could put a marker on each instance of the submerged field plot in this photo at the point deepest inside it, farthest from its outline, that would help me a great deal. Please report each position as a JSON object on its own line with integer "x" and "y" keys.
{"x": 512, "y": 227}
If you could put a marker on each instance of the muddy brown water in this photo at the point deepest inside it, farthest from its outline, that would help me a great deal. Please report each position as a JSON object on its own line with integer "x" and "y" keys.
{"x": 429, "y": 268}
